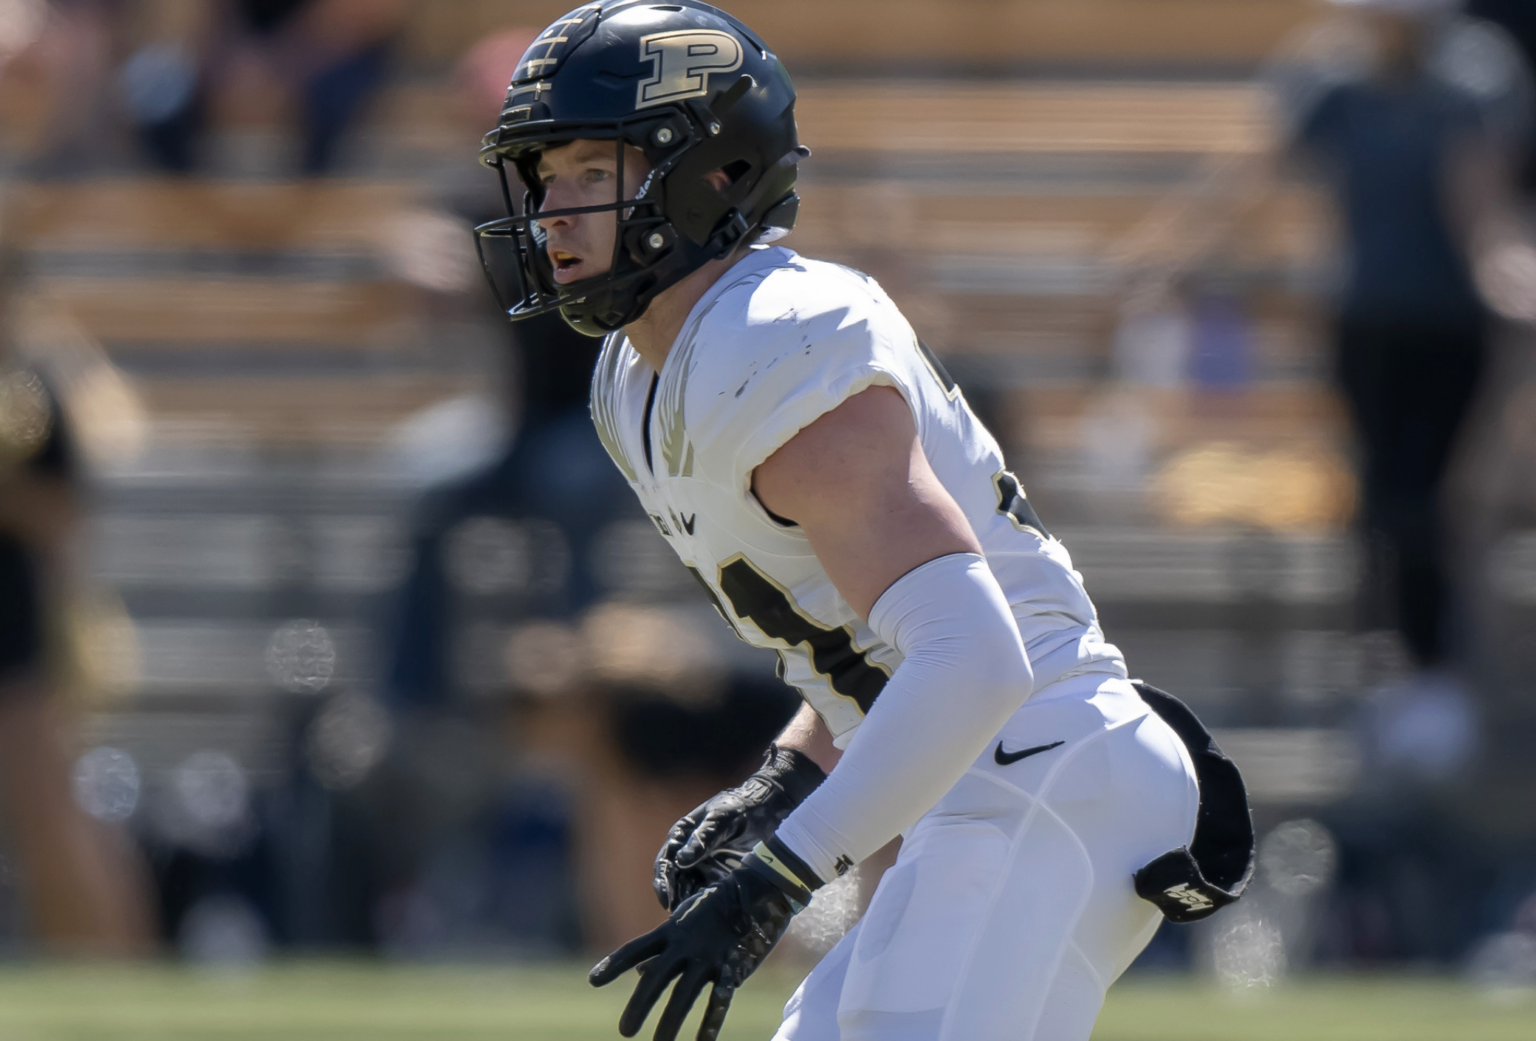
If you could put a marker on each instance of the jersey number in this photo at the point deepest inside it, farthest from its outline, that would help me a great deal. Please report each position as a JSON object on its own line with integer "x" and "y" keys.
{"x": 760, "y": 600}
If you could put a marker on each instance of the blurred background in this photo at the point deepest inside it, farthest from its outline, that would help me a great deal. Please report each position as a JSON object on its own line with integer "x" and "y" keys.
{"x": 355, "y": 642}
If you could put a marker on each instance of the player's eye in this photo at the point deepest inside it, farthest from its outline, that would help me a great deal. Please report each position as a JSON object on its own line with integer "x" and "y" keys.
{"x": 596, "y": 174}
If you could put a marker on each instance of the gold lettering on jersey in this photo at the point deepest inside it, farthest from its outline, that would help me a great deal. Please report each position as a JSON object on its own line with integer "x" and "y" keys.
{"x": 605, "y": 389}
{"x": 682, "y": 62}
{"x": 671, "y": 401}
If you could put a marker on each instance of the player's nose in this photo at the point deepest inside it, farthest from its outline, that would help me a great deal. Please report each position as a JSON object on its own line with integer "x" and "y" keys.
{"x": 557, "y": 222}
{"x": 558, "y": 197}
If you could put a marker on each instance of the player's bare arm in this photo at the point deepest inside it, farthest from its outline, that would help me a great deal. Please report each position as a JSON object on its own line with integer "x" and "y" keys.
{"x": 857, "y": 483}
{"x": 807, "y": 734}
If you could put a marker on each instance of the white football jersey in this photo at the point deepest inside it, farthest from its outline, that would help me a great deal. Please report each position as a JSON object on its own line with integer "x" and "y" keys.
{"x": 776, "y": 342}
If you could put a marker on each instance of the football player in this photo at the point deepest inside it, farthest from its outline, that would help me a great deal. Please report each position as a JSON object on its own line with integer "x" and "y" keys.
{"x": 826, "y": 482}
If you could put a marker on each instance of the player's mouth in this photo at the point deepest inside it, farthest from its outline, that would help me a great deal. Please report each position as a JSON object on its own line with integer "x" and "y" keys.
{"x": 567, "y": 265}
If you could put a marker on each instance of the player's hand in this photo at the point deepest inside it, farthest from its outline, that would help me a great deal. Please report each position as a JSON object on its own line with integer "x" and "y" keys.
{"x": 711, "y": 841}
{"x": 716, "y": 939}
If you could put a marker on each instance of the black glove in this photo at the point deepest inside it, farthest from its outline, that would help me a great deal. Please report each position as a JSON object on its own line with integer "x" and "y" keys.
{"x": 709, "y": 843}
{"x": 718, "y": 936}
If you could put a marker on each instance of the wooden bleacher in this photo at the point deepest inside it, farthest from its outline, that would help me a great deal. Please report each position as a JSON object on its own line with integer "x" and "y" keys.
{"x": 152, "y": 213}
{"x": 979, "y": 119}
{"x": 176, "y": 278}
{"x": 860, "y": 35}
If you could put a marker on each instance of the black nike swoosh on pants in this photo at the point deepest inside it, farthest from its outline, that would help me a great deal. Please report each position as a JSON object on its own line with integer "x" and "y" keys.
{"x": 1002, "y": 758}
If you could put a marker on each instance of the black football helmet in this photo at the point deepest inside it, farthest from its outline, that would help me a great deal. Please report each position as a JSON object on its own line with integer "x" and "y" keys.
{"x": 690, "y": 87}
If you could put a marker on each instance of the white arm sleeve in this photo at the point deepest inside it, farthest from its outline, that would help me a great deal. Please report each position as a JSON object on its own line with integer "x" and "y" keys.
{"x": 964, "y": 673}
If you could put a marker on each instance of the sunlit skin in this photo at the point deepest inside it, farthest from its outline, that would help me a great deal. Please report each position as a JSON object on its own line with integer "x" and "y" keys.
{"x": 856, "y": 481}
{"x": 585, "y": 173}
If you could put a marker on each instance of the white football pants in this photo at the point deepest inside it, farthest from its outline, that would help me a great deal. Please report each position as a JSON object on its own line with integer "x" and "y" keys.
{"x": 1011, "y": 908}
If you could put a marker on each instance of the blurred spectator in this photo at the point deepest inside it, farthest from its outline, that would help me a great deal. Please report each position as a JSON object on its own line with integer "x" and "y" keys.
{"x": 554, "y": 473}
{"x": 58, "y": 60}
{"x": 483, "y": 74}
{"x": 469, "y": 831}
{"x": 550, "y": 480}
{"x": 1416, "y": 116}
{"x": 323, "y": 58}
{"x": 82, "y": 883}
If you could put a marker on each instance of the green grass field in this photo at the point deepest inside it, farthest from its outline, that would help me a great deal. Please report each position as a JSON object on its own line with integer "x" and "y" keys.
{"x": 299, "y": 1001}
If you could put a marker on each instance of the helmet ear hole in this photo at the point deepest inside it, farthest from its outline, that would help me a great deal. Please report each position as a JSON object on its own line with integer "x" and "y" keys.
{"x": 736, "y": 169}
{"x": 731, "y": 230}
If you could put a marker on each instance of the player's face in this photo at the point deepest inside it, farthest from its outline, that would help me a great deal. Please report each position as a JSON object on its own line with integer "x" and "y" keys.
{"x": 585, "y": 173}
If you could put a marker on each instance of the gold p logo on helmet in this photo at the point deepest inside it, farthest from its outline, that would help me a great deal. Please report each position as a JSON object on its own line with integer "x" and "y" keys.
{"x": 682, "y": 62}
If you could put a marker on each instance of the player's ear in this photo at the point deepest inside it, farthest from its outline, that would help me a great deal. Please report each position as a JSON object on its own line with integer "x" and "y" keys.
{"x": 719, "y": 180}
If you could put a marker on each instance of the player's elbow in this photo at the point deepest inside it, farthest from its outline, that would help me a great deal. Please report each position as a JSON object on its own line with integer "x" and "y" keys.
{"x": 987, "y": 660}
{"x": 1000, "y": 665}
{"x": 952, "y": 617}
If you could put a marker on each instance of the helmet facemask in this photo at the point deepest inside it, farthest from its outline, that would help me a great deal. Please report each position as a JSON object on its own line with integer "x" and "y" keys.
{"x": 648, "y": 252}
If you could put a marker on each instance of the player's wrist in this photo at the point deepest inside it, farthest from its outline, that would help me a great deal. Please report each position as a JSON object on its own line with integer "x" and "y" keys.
{"x": 796, "y": 773}
{"x": 771, "y": 859}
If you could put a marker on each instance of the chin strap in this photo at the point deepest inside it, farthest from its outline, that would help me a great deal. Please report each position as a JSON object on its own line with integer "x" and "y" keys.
{"x": 725, "y": 238}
